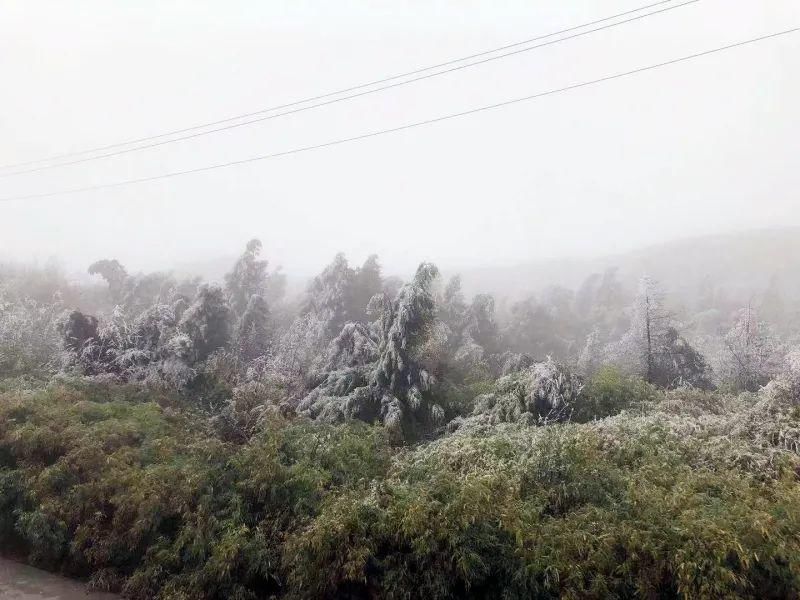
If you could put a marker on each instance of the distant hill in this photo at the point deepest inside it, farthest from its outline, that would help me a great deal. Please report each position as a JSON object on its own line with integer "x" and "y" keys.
{"x": 741, "y": 264}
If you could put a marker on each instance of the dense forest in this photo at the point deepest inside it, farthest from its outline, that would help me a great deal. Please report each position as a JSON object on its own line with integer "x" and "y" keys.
{"x": 167, "y": 437}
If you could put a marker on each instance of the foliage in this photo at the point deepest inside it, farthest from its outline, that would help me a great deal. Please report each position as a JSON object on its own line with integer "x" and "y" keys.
{"x": 543, "y": 393}
{"x": 381, "y": 439}
{"x": 374, "y": 374}
{"x": 753, "y": 353}
{"x": 624, "y": 508}
{"x": 146, "y": 499}
{"x": 29, "y": 338}
{"x": 248, "y": 278}
{"x": 207, "y": 322}
{"x": 609, "y": 392}
{"x": 694, "y": 495}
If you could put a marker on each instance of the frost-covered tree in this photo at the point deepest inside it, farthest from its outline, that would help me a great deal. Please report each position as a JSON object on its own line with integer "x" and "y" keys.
{"x": 355, "y": 346}
{"x": 294, "y": 355}
{"x": 78, "y": 330}
{"x": 637, "y": 350}
{"x": 207, "y": 322}
{"x": 592, "y": 356}
{"x": 253, "y": 330}
{"x": 29, "y": 338}
{"x": 542, "y": 328}
{"x": 461, "y": 343}
{"x": 752, "y": 353}
{"x": 481, "y": 324}
{"x": 132, "y": 350}
{"x": 652, "y": 347}
{"x": 543, "y": 393}
{"x": 398, "y": 380}
{"x": 329, "y": 296}
{"x": 153, "y": 328}
{"x": 248, "y": 278}
{"x": 118, "y": 346}
{"x": 115, "y": 276}
{"x": 90, "y": 347}
{"x": 446, "y": 348}
{"x": 367, "y": 282}
{"x": 175, "y": 366}
{"x": 452, "y": 306}
{"x": 341, "y": 294}
{"x": 144, "y": 291}
{"x": 791, "y": 374}
{"x": 679, "y": 364}
{"x": 375, "y": 373}
{"x": 473, "y": 337}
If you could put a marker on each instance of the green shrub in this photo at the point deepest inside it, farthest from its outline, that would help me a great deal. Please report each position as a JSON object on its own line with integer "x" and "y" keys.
{"x": 608, "y": 392}
{"x": 692, "y": 497}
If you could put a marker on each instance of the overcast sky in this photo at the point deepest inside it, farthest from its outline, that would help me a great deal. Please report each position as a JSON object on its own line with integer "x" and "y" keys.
{"x": 708, "y": 146}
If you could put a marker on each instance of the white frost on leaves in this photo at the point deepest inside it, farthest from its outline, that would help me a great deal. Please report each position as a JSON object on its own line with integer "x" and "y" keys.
{"x": 543, "y": 393}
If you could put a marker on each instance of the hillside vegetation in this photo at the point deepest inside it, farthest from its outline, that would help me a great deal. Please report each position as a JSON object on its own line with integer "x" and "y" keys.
{"x": 376, "y": 438}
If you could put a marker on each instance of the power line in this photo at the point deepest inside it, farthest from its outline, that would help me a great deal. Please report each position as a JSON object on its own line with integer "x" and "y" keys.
{"x": 330, "y": 94}
{"x": 401, "y": 127}
{"x": 326, "y": 95}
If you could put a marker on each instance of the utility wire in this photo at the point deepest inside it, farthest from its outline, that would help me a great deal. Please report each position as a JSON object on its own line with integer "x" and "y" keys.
{"x": 402, "y": 127}
{"x": 328, "y": 95}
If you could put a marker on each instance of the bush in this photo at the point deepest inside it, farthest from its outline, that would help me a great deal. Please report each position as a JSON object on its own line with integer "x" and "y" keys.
{"x": 553, "y": 512}
{"x": 101, "y": 484}
{"x": 609, "y": 392}
{"x": 668, "y": 501}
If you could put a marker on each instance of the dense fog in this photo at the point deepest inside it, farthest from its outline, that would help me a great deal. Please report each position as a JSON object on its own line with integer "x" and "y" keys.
{"x": 357, "y": 342}
{"x": 405, "y": 301}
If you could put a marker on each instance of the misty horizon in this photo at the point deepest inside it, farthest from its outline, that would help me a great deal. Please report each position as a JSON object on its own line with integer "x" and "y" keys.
{"x": 693, "y": 149}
